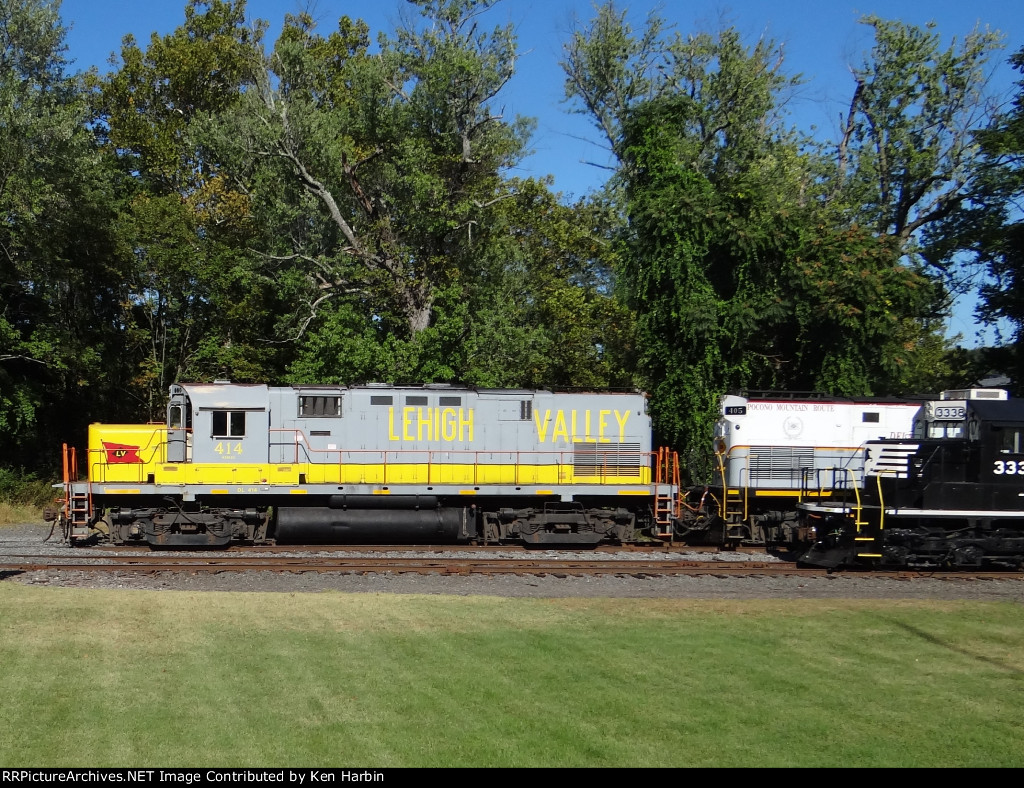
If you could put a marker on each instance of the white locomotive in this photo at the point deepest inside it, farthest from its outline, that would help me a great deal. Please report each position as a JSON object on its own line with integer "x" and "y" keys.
{"x": 774, "y": 450}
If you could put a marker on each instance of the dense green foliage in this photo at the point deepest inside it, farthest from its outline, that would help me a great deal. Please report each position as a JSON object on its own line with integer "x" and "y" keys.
{"x": 993, "y": 230}
{"x": 330, "y": 208}
{"x": 755, "y": 258}
{"x": 60, "y": 275}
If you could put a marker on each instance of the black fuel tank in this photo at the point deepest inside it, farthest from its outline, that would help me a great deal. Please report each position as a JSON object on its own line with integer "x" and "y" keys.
{"x": 322, "y": 525}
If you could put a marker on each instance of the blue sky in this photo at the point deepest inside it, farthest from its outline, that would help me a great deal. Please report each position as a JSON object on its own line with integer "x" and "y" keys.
{"x": 822, "y": 40}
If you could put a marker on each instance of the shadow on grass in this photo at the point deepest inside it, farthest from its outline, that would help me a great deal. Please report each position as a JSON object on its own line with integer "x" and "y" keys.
{"x": 911, "y": 629}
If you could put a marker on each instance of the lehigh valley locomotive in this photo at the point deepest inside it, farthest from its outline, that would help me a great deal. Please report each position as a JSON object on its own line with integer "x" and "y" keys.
{"x": 373, "y": 464}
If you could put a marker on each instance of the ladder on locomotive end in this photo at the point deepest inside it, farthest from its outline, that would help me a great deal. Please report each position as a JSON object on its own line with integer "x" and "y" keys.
{"x": 667, "y": 496}
{"x": 77, "y": 500}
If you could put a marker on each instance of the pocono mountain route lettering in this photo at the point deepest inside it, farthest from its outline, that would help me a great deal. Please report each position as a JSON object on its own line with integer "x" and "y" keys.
{"x": 801, "y": 407}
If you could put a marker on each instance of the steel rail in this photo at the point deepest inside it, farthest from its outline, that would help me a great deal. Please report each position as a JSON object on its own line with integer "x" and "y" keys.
{"x": 450, "y": 566}
{"x": 467, "y": 566}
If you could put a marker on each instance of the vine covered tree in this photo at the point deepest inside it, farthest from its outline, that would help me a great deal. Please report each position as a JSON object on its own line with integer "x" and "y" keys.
{"x": 757, "y": 258}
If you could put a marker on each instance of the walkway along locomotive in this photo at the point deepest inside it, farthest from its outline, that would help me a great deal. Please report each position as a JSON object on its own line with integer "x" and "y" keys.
{"x": 373, "y": 464}
{"x": 932, "y": 502}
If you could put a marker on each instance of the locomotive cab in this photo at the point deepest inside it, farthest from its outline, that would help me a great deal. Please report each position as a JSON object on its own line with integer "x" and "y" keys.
{"x": 981, "y": 471}
{"x": 218, "y": 424}
{"x": 179, "y": 426}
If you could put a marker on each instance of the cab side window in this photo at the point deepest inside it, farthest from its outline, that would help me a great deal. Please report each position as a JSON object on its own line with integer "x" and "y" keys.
{"x": 1010, "y": 441}
{"x": 228, "y": 424}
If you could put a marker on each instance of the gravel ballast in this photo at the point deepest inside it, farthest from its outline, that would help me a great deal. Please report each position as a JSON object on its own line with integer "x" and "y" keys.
{"x": 32, "y": 538}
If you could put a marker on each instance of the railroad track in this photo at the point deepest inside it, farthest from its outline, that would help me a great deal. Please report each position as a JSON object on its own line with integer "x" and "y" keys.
{"x": 394, "y": 564}
{"x": 637, "y": 567}
{"x": 632, "y": 549}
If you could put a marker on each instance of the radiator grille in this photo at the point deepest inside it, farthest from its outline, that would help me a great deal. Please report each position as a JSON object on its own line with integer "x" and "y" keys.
{"x": 601, "y": 459}
{"x": 779, "y": 462}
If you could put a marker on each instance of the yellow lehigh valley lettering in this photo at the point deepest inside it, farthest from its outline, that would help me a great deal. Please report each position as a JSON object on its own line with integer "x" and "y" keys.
{"x": 431, "y": 424}
{"x": 568, "y": 431}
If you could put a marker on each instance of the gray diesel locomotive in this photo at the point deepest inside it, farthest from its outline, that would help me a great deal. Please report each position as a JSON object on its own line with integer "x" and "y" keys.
{"x": 372, "y": 464}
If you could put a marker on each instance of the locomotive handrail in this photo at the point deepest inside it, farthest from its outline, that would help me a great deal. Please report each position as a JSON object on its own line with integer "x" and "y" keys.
{"x": 72, "y": 514}
{"x": 606, "y": 469}
{"x": 744, "y": 473}
{"x": 800, "y": 446}
{"x": 720, "y": 456}
{"x": 744, "y": 453}
{"x": 834, "y": 484}
{"x": 881, "y": 495}
{"x": 667, "y": 473}
{"x": 853, "y": 487}
{"x": 70, "y": 469}
{"x": 836, "y": 453}
{"x": 742, "y": 458}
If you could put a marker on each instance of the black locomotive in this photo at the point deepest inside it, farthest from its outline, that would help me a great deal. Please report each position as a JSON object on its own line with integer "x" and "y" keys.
{"x": 932, "y": 502}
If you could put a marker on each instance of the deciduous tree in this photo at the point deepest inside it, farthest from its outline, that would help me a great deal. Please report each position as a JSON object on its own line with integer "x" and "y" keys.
{"x": 755, "y": 257}
{"x": 198, "y": 302}
{"x": 59, "y": 266}
{"x": 389, "y": 163}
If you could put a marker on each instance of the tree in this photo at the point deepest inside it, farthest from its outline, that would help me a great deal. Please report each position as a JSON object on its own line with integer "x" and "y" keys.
{"x": 753, "y": 257}
{"x": 376, "y": 170}
{"x": 709, "y": 176}
{"x": 59, "y": 262}
{"x": 907, "y": 163}
{"x": 541, "y": 313}
{"x": 149, "y": 105}
{"x": 343, "y": 215}
{"x": 994, "y": 231}
{"x": 197, "y": 303}
{"x": 610, "y": 71}
{"x": 702, "y": 267}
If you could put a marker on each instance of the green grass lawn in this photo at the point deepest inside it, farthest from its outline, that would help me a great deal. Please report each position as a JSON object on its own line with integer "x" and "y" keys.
{"x": 144, "y": 678}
